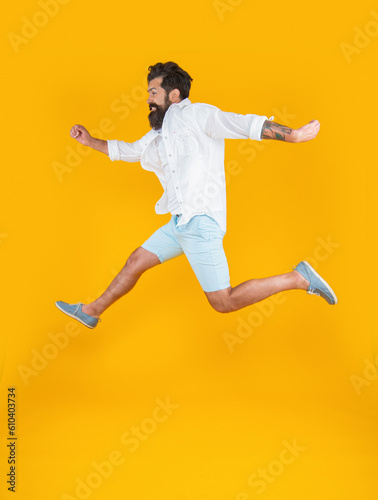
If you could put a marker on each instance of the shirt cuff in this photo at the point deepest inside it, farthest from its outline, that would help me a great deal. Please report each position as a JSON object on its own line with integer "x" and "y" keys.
{"x": 256, "y": 127}
{"x": 113, "y": 149}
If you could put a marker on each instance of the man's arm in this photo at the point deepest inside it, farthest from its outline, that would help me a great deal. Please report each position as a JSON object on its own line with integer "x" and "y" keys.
{"x": 275, "y": 131}
{"x": 82, "y": 135}
{"x": 99, "y": 145}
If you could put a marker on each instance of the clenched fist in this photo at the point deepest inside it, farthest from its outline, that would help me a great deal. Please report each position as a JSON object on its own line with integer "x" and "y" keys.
{"x": 81, "y": 134}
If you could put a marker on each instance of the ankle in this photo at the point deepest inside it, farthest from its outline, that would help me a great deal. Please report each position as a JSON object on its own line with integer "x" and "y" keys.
{"x": 300, "y": 281}
{"x": 88, "y": 309}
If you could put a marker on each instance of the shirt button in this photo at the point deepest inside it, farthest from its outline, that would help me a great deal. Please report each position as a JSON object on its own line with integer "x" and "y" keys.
{"x": 170, "y": 155}
{"x": 165, "y": 137}
{"x": 172, "y": 171}
{"x": 176, "y": 187}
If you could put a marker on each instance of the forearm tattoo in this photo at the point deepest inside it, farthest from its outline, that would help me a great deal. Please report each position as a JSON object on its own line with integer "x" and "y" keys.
{"x": 272, "y": 130}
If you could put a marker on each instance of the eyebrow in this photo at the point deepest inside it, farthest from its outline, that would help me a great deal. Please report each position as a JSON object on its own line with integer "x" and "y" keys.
{"x": 152, "y": 88}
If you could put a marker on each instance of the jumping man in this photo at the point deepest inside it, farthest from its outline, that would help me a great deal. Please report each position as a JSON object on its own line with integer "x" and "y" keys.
{"x": 185, "y": 149}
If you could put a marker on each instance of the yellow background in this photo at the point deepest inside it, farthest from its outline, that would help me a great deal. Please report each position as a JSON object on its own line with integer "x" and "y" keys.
{"x": 297, "y": 376}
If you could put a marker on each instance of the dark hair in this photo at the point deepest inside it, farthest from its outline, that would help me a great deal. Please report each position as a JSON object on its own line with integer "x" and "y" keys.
{"x": 173, "y": 77}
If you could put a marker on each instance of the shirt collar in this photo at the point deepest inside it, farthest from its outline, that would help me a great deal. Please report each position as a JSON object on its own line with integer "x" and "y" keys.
{"x": 181, "y": 104}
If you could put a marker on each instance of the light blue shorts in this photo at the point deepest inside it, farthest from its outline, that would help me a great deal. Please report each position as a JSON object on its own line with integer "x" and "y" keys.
{"x": 201, "y": 240}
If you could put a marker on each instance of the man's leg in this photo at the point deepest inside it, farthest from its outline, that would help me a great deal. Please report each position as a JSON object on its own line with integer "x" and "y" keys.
{"x": 252, "y": 291}
{"x": 138, "y": 262}
{"x": 160, "y": 247}
{"x": 203, "y": 246}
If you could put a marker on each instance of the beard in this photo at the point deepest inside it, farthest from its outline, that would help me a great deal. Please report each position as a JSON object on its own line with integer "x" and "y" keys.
{"x": 156, "y": 117}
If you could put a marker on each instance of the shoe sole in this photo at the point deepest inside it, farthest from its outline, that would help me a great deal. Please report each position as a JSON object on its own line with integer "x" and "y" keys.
{"x": 74, "y": 317}
{"x": 322, "y": 280}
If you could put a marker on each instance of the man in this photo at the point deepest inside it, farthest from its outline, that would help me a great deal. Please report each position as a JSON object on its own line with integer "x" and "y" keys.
{"x": 185, "y": 149}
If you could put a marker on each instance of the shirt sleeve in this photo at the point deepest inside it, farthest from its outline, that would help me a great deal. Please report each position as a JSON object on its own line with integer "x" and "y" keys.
{"x": 125, "y": 151}
{"x": 225, "y": 125}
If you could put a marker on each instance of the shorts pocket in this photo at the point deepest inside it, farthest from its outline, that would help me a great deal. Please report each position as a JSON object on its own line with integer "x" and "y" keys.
{"x": 209, "y": 228}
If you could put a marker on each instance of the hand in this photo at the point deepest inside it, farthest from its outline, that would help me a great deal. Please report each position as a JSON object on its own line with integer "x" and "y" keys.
{"x": 81, "y": 134}
{"x": 307, "y": 132}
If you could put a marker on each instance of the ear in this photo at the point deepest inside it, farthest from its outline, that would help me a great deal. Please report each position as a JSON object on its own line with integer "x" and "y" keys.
{"x": 174, "y": 95}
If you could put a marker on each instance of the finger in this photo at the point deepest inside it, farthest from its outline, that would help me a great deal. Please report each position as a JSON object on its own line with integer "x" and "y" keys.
{"x": 74, "y": 132}
{"x": 79, "y": 130}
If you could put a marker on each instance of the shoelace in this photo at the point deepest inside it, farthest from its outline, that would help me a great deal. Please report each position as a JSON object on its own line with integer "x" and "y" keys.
{"x": 312, "y": 292}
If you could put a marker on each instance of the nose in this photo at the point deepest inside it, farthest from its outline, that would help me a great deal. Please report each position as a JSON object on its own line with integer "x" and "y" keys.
{"x": 149, "y": 100}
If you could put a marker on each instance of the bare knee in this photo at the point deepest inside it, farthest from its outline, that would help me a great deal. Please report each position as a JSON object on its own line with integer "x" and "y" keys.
{"x": 221, "y": 308}
{"x": 132, "y": 262}
{"x": 140, "y": 260}
{"x": 220, "y": 300}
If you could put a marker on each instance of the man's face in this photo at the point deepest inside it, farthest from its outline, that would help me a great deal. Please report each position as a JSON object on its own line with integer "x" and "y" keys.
{"x": 158, "y": 102}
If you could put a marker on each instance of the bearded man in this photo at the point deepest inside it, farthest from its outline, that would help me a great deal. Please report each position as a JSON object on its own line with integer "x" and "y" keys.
{"x": 185, "y": 149}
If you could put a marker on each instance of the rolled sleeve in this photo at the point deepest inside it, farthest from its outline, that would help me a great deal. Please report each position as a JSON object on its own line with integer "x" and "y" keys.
{"x": 113, "y": 150}
{"x": 257, "y": 123}
{"x": 125, "y": 151}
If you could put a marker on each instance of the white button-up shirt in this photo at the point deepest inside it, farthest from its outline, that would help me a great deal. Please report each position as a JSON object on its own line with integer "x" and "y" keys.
{"x": 172, "y": 202}
{"x": 193, "y": 135}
